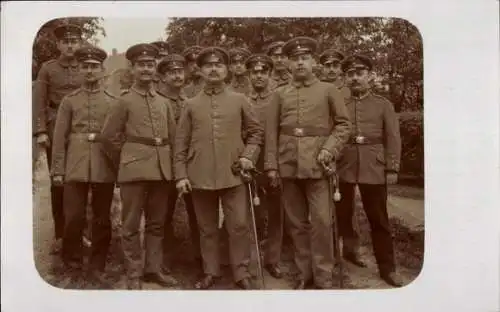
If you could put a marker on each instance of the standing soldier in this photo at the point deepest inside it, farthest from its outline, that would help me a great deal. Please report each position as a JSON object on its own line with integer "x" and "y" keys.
{"x": 146, "y": 122}
{"x": 331, "y": 62}
{"x": 306, "y": 127}
{"x": 171, "y": 70}
{"x": 195, "y": 79}
{"x": 260, "y": 67}
{"x": 209, "y": 141}
{"x": 56, "y": 79}
{"x": 370, "y": 161}
{"x": 280, "y": 76}
{"x": 163, "y": 50}
{"x": 239, "y": 82}
{"x": 79, "y": 163}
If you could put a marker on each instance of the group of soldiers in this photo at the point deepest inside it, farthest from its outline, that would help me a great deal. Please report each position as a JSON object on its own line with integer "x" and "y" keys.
{"x": 182, "y": 131}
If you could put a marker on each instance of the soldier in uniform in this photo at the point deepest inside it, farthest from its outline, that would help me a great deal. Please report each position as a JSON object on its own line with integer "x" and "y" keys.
{"x": 56, "y": 79}
{"x": 280, "y": 76}
{"x": 163, "y": 50}
{"x": 239, "y": 82}
{"x": 171, "y": 70}
{"x": 194, "y": 78}
{"x": 259, "y": 67}
{"x": 370, "y": 161}
{"x": 145, "y": 121}
{"x": 79, "y": 163}
{"x": 331, "y": 62}
{"x": 306, "y": 127}
{"x": 209, "y": 142}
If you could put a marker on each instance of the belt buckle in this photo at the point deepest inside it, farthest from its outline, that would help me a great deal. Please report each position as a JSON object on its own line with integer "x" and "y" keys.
{"x": 360, "y": 139}
{"x": 298, "y": 132}
{"x": 91, "y": 137}
{"x": 158, "y": 141}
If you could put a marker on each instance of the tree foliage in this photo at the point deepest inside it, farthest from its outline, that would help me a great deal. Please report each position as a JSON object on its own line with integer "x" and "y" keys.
{"x": 44, "y": 45}
{"x": 395, "y": 45}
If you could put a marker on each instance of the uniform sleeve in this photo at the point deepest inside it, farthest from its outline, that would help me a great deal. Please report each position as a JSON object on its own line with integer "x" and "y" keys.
{"x": 254, "y": 132}
{"x": 40, "y": 99}
{"x": 171, "y": 127}
{"x": 182, "y": 140}
{"x": 342, "y": 126}
{"x": 392, "y": 138}
{"x": 62, "y": 131}
{"x": 113, "y": 130}
{"x": 271, "y": 133}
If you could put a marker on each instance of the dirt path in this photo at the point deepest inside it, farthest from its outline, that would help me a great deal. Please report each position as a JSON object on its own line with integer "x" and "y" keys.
{"x": 408, "y": 250}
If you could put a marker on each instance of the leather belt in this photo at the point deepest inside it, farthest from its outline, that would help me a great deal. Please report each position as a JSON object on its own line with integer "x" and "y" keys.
{"x": 308, "y": 131}
{"x": 148, "y": 141}
{"x": 90, "y": 136}
{"x": 363, "y": 140}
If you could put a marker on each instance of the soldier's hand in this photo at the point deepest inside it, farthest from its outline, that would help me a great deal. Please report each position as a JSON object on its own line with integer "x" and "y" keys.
{"x": 245, "y": 164}
{"x": 324, "y": 157}
{"x": 183, "y": 186}
{"x": 391, "y": 178}
{"x": 43, "y": 140}
{"x": 274, "y": 179}
{"x": 58, "y": 180}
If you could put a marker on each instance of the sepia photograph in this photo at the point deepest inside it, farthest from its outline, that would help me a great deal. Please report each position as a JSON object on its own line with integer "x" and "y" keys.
{"x": 228, "y": 153}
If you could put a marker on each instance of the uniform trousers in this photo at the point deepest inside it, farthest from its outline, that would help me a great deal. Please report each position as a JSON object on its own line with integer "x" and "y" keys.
{"x": 193, "y": 225}
{"x": 236, "y": 219}
{"x": 151, "y": 198}
{"x": 75, "y": 203}
{"x": 308, "y": 209}
{"x": 57, "y": 198}
{"x": 374, "y": 198}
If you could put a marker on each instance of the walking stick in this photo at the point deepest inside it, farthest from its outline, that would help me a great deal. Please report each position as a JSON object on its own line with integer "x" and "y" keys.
{"x": 335, "y": 196}
{"x": 254, "y": 200}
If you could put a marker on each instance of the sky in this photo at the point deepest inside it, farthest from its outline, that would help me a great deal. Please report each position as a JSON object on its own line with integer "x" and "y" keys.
{"x": 121, "y": 33}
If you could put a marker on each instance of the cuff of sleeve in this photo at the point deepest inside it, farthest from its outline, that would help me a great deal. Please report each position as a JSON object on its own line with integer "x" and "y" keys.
{"x": 251, "y": 152}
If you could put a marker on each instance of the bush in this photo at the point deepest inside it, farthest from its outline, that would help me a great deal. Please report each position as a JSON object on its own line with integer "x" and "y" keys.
{"x": 412, "y": 136}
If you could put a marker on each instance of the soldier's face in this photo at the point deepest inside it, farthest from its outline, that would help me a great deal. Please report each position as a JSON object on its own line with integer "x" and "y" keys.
{"x": 214, "y": 72}
{"x": 144, "y": 70}
{"x": 358, "y": 79}
{"x": 174, "y": 77}
{"x": 92, "y": 72}
{"x": 259, "y": 78}
{"x": 280, "y": 61}
{"x": 302, "y": 65}
{"x": 68, "y": 46}
{"x": 332, "y": 70}
{"x": 238, "y": 67}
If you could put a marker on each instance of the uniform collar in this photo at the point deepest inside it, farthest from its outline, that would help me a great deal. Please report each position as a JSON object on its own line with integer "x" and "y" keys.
{"x": 283, "y": 76}
{"x": 254, "y": 95}
{"x": 213, "y": 90}
{"x": 151, "y": 92}
{"x": 64, "y": 62}
{"x": 362, "y": 96}
{"x": 166, "y": 91}
{"x": 305, "y": 83}
{"x": 96, "y": 90}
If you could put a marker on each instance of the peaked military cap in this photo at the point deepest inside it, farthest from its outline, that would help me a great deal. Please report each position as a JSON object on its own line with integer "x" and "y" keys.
{"x": 68, "y": 31}
{"x": 330, "y": 55}
{"x": 357, "y": 61}
{"x": 275, "y": 48}
{"x": 300, "y": 45}
{"x": 191, "y": 53}
{"x": 141, "y": 51}
{"x": 90, "y": 54}
{"x": 212, "y": 55}
{"x": 239, "y": 54}
{"x": 162, "y": 46}
{"x": 171, "y": 61}
{"x": 259, "y": 62}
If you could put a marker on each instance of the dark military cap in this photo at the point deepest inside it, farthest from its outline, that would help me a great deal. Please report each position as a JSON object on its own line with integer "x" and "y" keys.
{"x": 212, "y": 55}
{"x": 191, "y": 53}
{"x": 90, "y": 54}
{"x": 162, "y": 47}
{"x": 259, "y": 62}
{"x": 275, "y": 48}
{"x": 239, "y": 54}
{"x": 357, "y": 61}
{"x": 171, "y": 61}
{"x": 67, "y": 31}
{"x": 141, "y": 51}
{"x": 300, "y": 45}
{"x": 330, "y": 55}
